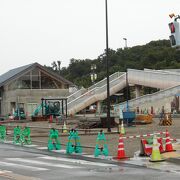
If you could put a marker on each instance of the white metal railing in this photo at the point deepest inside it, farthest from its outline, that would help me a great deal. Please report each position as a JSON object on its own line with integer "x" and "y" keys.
{"x": 153, "y": 78}
{"x": 76, "y": 94}
{"x": 80, "y": 92}
{"x": 104, "y": 81}
{"x": 97, "y": 90}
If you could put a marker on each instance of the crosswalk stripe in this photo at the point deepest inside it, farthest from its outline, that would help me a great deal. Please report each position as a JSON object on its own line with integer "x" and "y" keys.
{"x": 60, "y": 151}
{"x": 42, "y": 148}
{"x": 78, "y": 161}
{"x": 8, "y": 142}
{"x": 99, "y": 157}
{"x": 5, "y": 171}
{"x": 30, "y": 145}
{"x": 41, "y": 163}
{"x": 14, "y": 165}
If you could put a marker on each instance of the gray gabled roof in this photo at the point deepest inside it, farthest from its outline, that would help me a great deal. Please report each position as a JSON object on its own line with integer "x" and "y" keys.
{"x": 13, "y": 73}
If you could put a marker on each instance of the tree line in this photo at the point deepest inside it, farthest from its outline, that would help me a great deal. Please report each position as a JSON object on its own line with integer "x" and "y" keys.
{"x": 153, "y": 55}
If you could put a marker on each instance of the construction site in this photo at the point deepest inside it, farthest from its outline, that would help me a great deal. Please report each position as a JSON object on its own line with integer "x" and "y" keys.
{"x": 94, "y": 112}
{"x": 140, "y": 131}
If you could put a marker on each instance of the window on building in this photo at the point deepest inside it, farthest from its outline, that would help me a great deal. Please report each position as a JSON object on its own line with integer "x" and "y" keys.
{"x": 49, "y": 83}
{"x": 35, "y": 79}
{"x": 23, "y": 82}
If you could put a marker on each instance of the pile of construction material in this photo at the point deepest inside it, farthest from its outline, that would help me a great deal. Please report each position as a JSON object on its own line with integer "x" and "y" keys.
{"x": 88, "y": 123}
{"x": 166, "y": 120}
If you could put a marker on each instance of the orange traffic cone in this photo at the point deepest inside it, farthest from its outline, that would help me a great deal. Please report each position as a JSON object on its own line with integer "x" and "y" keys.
{"x": 121, "y": 153}
{"x": 161, "y": 149}
{"x": 169, "y": 147}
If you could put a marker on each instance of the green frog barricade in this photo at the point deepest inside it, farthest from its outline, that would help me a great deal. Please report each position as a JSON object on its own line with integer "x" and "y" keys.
{"x": 17, "y": 137}
{"x": 53, "y": 141}
{"x": 101, "y": 147}
{"x": 26, "y": 136}
{"x": 73, "y": 144}
{"x": 22, "y": 136}
{"x": 2, "y": 133}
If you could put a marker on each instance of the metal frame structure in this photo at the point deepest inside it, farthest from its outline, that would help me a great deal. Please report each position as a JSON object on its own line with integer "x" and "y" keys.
{"x": 63, "y": 104}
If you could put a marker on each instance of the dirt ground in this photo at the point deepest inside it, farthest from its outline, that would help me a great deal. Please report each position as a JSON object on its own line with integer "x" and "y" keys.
{"x": 131, "y": 145}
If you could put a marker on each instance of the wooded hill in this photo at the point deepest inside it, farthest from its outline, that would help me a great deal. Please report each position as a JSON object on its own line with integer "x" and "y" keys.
{"x": 154, "y": 55}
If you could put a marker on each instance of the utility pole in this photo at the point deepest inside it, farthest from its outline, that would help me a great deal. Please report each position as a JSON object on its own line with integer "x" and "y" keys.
{"x": 107, "y": 69}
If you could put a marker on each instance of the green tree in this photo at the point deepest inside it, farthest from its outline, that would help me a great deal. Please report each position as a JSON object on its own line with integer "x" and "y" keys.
{"x": 154, "y": 55}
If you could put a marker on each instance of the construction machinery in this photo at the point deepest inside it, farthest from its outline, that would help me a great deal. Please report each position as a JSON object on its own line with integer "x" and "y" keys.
{"x": 55, "y": 107}
{"x": 19, "y": 114}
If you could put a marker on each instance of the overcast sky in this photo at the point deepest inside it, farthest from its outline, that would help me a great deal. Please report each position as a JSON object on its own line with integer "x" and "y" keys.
{"x": 49, "y": 30}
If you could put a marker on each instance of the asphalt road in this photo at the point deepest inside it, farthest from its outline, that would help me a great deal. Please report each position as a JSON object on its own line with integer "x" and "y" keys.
{"x": 21, "y": 163}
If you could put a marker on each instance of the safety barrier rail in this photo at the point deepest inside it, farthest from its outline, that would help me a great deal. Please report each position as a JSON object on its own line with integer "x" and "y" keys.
{"x": 96, "y": 147}
{"x": 147, "y": 135}
{"x": 40, "y": 142}
{"x": 40, "y": 128}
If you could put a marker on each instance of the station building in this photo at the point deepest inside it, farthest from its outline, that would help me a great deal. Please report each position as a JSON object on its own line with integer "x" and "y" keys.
{"x": 25, "y": 86}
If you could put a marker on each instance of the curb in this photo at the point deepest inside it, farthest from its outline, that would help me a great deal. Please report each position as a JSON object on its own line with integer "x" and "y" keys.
{"x": 174, "y": 160}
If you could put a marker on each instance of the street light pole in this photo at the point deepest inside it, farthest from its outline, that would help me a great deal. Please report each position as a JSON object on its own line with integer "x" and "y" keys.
{"x": 107, "y": 69}
{"x": 125, "y": 39}
{"x": 93, "y": 74}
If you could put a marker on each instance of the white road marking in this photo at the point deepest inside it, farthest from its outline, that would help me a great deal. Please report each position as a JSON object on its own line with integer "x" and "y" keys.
{"x": 42, "y": 148}
{"x": 8, "y": 142}
{"x": 60, "y": 151}
{"x": 5, "y": 171}
{"x": 1, "y": 172}
{"x": 78, "y": 161}
{"x": 41, "y": 163}
{"x": 14, "y": 165}
{"x": 30, "y": 145}
{"x": 99, "y": 157}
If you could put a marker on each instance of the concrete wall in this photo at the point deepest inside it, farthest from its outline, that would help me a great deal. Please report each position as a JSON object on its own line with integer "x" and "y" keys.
{"x": 26, "y": 96}
{"x": 157, "y": 105}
